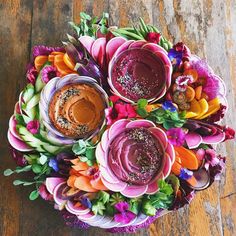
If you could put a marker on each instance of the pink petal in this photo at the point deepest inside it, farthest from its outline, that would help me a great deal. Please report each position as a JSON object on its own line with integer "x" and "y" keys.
{"x": 87, "y": 42}
{"x": 116, "y": 187}
{"x": 154, "y": 48}
{"x": 99, "y": 50}
{"x": 100, "y": 155}
{"x": 170, "y": 150}
{"x": 113, "y": 45}
{"x": 105, "y": 140}
{"x": 134, "y": 191}
{"x": 167, "y": 165}
{"x": 137, "y": 44}
{"x": 140, "y": 124}
{"x": 152, "y": 188}
{"x": 108, "y": 175}
{"x": 193, "y": 140}
{"x": 81, "y": 210}
{"x": 12, "y": 127}
{"x": 52, "y": 182}
{"x": 118, "y": 127}
{"x": 214, "y": 139}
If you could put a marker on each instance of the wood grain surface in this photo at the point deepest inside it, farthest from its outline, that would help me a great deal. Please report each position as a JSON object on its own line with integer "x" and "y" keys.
{"x": 208, "y": 27}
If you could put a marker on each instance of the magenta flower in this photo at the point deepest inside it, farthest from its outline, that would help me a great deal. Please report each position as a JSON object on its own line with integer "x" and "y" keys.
{"x": 124, "y": 215}
{"x": 33, "y": 126}
{"x": 153, "y": 37}
{"x": 119, "y": 111}
{"x": 18, "y": 157}
{"x": 31, "y": 75}
{"x": 48, "y": 73}
{"x": 43, "y": 50}
{"x": 176, "y": 136}
{"x": 211, "y": 158}
{"x": 182, "y": 82}
{"x": 44, "y": 193}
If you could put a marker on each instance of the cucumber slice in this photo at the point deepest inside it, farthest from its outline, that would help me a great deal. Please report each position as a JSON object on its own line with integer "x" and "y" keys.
{"x": 39, "y": 84}
{"x": 33, "y": 102}
{"x": 52, "y": 149}
{"x": 31, "y": 113}
{"x": 26, "y": 118}
{"x": 28, "y": 93}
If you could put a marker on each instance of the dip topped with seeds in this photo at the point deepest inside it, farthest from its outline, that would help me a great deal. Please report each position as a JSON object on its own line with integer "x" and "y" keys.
{"x": 135, "y": 156}
{"x": 77, "y": 110}
{"x": 138, "y": 73}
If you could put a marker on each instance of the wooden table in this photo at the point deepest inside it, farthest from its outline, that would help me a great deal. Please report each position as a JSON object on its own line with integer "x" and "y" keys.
{"x": 208, "y": 27}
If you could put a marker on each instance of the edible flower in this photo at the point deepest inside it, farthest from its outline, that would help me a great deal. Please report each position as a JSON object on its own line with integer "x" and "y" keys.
{"x": 119, "y": 111}
{"x": 182, "y": 82}
{"x": 217, "y": 170}
{"x": 86, "y": 202}
{"x": 44, "y": 193}
{"x": 54, "y": 164}
{"x": 124, "y": 215}
{"x": 211, "y": 158}
{"x": 176, "y": 136}
{"x": 33, "y": 126}
{"x": 44, "y": 50}
{"x": 31, "y": 75}
{"x": 168, "y": 105}
{"x": 153, "y": 37}
{"x": 185, "y": 174}
{"x": 179, "y": 52}
{"x": 229, "y": 133}
{"x": 49, "y": 72}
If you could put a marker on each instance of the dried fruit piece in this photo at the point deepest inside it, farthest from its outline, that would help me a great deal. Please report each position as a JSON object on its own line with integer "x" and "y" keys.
{"x": 179, "y": 97}
{"x": 204, "y": 107}
{"x": 189, "y": 93}
{"x": 184, "y": 106}
{"x": 198, "y": 92}
{"x": 193, "y": 73}
{"x": 39, "y": 61}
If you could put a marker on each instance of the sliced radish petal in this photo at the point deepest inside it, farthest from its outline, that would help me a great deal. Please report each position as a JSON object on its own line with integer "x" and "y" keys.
{"x": 52, "y": 182}
{"x": 170, "y": 150}
{"x": 113, "y": 45}
{"x": 105, "y": 139}
{"x": 99, "y": 50}
{"x": 167, "y": 165}
{"x": 116, "y": 187}
{"x": 12, "y": 127}
{"x": 193, "y": 140}
{"x": 140, "y": 219}
{"x": 56, "y": 194}
{"x": 117, "y": 128}
{"x": 137, "y": 44}
{"x": 160, "y": 135}
{"x": 140, "y": 123}
{"x": 100, "y": 155}
{"x": 87, "y": 42}
{"x": 17, "y": 143}
{"x": 214, "y": 139}
{"x": 134, "y": 191}
{"x": 152, "y": 188}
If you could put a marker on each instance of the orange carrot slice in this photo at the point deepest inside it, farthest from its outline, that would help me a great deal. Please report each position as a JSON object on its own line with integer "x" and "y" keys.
{"x": 39, "y": 61}
{"x": 68, "y": 61}
{"x": 83, "y": 183}
{"x": 193, "y": 73}
{"x": 98, "y": 184}
{"x": 190, "y": 93}
{"x": 51, "y": 58}
{"x": 198, "y": 92}
{"x": 188, "y": 158}
{"x": 71, "y": 180}
{"x": 176, "y": 167}
{"x": 57, "y": 53}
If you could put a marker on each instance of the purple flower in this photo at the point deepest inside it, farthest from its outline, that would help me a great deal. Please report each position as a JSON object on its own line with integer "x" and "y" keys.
{"x": 53, "y": 164}
{"x": 185, "y": 174}
{"x": 168, "y": 105}
{"x": 33, "y": 126}
{"x": 31, "y": 75}
{"x": 178, "y": 53}
{"x": 124, "y": 215}
{"x": 216, "y": 171}
{"x": 176, "y": 136}
{"x": 86, "y": 202}
{"x": 182, "y": 82}
{"x": 44, "y": 193}
{"x": 211, "y": 158}
{"x": 43, "y": 50}
{"x": 49, "y": 72}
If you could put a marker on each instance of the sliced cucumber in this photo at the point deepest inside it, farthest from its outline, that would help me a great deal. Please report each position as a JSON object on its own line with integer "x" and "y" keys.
{"x": 39, "y": 84}
{"x": 28, "y": 93}
{"x": 33, "y": 102}
{"x": 26, "y": 118}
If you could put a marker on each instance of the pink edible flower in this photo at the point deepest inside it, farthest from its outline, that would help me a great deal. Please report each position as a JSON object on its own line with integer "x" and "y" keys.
{"x": 119, "y": 111}
{"x": 31, "y": 75}
{"x": 42, "y": 50}
{"x": 211, "y": 158}
{"x": 153, "y": 37}
{"x": 48, "y": 73}
{"x": 229, "y": 133}
{"x": 33, "y": 126}
{"x": 176, "y": 136}
{"x": 125, "y": 216}
{"x": 182, "y": 82}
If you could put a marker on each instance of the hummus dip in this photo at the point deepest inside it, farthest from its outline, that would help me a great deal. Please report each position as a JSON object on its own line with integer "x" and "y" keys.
{"x": 135, "y": 156}
{"x": 138, "y": 73}
{"x": 77, "y": 110}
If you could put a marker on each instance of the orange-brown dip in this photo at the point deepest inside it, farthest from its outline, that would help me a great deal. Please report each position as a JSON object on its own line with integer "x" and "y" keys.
{"x": 76, "y": 110}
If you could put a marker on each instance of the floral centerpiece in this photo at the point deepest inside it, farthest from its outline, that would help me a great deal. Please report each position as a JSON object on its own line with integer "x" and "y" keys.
{"x": 118, "y": 126}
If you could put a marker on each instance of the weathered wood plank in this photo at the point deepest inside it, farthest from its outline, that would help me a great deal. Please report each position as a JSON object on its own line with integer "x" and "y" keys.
{"x": 15, "y": 18}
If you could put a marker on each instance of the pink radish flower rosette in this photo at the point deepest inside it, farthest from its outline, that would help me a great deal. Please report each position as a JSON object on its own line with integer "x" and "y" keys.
{"x": 118, "y": 126}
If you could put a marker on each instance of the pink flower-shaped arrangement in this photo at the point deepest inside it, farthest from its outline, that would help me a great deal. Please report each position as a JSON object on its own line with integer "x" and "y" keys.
{"x": 133, "y": 156}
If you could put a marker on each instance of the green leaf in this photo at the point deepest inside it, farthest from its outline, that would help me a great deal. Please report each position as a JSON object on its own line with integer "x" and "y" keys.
{"x": 18, "y": 182}
{"x": 164, "y": 187}
{"x": 36, "y": 168}
{"x": 19, "y": 119}
{"x": 103, "y": 196}
{"x": 174, "y": 181}
{"x": 116, "y": 197}
{"x": 148, "y": 208}
{"x": 174, "y": 116}
{"x": 142, "y": 102}
{"x": 135, "y": 205}
{"x": 85, "y": 16}
{"x": 34, "y": 195}
{"x": 110, "y": 210}
{"x": 90, "y": 162}
{"x": 23, "y": 169}
{"x": 8, "y": 172}
{"x": 142, "y": 112}
{"x": 104, "y": 29}
{"x": 98, "y": 207}
{"x": 90, "y": 153}
{"x": 83, "y": 158}
{"x": 43, "y": 159}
